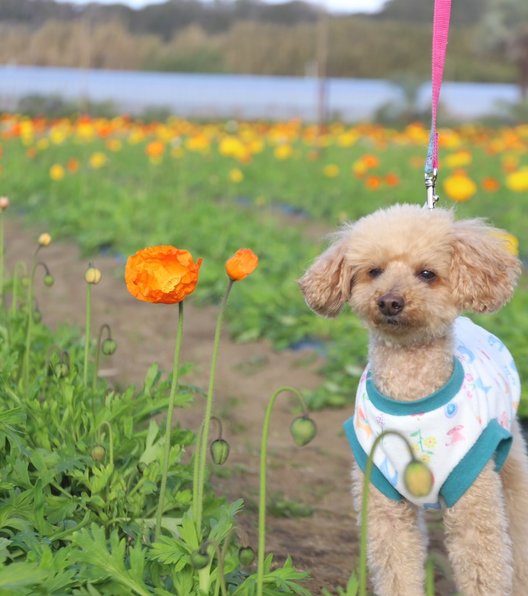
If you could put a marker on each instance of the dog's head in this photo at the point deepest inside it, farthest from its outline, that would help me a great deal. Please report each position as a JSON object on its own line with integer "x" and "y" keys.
{"x": 409, "y": 271}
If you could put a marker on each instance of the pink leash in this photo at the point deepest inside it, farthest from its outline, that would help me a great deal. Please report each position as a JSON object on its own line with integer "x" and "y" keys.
{"x": 441, "y": 18}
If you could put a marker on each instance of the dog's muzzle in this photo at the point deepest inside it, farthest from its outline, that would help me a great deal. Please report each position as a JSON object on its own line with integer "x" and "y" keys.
{"x": 391, "y": 304}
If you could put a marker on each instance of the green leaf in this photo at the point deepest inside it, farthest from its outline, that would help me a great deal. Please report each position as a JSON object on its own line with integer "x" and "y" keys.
{"x": 100, "y": 477}
{"x": 188, "y": 533}
{"x": 108, "y": 559}
{"x": 152, "y": 449}
{"x": 151, "y": 378}
{"x": 170, "y": 551}
{"x": 16, "y": 578}
{"x": 4, "y": 552}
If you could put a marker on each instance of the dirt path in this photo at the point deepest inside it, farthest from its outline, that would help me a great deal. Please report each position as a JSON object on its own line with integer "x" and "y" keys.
{"x": 317, "y": 475}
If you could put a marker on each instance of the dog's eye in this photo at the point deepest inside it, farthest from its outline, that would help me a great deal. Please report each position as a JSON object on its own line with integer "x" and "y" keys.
{"x": 427, "y": 275}
{"x": 375, "y": 272}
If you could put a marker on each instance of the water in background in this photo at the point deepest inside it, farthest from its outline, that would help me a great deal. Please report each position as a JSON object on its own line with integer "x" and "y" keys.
{"x": 238, "y": 96}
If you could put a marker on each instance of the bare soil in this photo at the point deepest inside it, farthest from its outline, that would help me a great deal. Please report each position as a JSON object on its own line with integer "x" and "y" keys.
{"x": 324, "y": 543}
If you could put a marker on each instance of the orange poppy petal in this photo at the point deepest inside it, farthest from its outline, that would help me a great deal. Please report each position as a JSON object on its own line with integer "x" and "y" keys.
{"x": 161, "y": 274}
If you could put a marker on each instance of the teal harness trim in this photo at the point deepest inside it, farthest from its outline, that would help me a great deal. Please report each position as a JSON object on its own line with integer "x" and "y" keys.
{"x": 377, "y": 478}
{"x": 404, "y": 408}
{"x": 494, "y": 442}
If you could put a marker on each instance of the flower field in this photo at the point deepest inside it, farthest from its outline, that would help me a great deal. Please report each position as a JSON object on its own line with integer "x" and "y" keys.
{"x": 116, "y": 185}
{"x": 72, "y": 444}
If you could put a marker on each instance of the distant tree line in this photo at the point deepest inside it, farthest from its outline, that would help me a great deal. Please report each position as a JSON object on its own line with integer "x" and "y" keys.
{"x": 248, "y": 36}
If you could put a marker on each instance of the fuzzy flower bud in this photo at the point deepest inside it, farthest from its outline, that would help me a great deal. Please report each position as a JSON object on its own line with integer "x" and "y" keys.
{"x": 200, "y": 558}
{"x": 92, "y": 275}
{"x": 246, "y": 555}
{"x": 219, "y": 451}
{"x": 418, "y": 478}
{"x": 98, "y": 453}
{"x": 109, "y": 346}
{"x": 4, "y": 203}
{"x": 44, "y": 239}
{"x": 303, "y": 430}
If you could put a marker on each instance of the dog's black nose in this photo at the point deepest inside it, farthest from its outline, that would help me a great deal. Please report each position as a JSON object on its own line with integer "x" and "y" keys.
{"x": 391, "y": 304}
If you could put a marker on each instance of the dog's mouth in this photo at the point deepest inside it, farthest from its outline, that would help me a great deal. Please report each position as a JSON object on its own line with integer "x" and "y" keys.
{"x": 393, "y": 323}
{"x": 391, "y": 320}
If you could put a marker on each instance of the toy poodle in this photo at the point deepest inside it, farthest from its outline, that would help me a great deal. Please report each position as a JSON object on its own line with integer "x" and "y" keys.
{"x": 450, "y": 387}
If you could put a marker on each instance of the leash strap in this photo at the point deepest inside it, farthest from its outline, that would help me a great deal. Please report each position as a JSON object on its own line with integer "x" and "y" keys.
{"x": 441, "y": 18}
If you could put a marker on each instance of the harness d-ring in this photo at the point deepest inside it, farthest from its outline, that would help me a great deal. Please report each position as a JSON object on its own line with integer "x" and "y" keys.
{"x": 430, "y": 182}
{"x": 441, "y": 18}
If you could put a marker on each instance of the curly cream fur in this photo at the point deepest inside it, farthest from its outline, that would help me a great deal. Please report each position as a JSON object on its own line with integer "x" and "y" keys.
{"x": 410, "y": 357}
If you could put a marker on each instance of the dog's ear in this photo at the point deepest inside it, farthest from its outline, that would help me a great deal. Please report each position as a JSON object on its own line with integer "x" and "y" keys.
{"x": 326, "y": 284}
{"x": 483, "y": 272}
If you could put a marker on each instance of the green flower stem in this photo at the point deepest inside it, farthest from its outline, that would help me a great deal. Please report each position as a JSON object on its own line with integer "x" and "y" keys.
{"x": 168, "y": 426}
{"x": 98, "y": 352}
{"x": 218, "y": 424}
{"x": 29, "y": 324}
{"x": 110, "y": 441}
{"x": 220, "y": 581}
{"x": 208, "y": 411}
{"x": 2, "y": 250}
{"x": 60, "y": 535}
{"x": 196, "y": 468}
{"x": 262, "y": 489}
{"x": 204, "y": 579}
{"x": 364, "y": 507}
{"x": 20, "y": 271}
{"x": 87, "y": 333}
{"x": 429, "y": 577}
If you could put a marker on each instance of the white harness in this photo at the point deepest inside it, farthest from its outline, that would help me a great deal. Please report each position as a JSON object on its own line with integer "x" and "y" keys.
{"x": 455, "y": 430}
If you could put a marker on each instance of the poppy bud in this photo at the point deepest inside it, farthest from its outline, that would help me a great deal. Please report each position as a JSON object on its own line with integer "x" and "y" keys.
{"x": 219, "y": 451}
{"x": 61, "y": 369}
{"x": 4, "y": 203}
{"x": 199, "y": 559}
{"x": 98, "y": 453}
{"x": 44, "y": 239}
{"x": 49, "y": 280}
{"x": 92, "y": 275}
{"x": 109, "y": 346}
{"x": 246, "y": 555}
{"x": 418, "y": 478}
{"x": 303, "y": 430}
{"x": 241, "y": 264}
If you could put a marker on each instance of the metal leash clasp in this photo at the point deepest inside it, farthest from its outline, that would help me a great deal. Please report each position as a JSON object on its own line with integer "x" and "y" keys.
{"x": 430, "y": 182}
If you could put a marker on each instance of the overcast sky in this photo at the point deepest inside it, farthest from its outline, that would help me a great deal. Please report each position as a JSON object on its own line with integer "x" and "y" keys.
{"x": 333, "y": 5}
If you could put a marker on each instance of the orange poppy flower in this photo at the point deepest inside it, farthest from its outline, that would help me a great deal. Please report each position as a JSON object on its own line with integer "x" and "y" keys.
{"x": 371, "y": 161}
{"x": 161, "y": 274}
{"x": 241, "y": 264}
{"x": 373, "y": 182}
{"x": 392, "y": 179}
{"x": 490, "y": 184}
{"x": 72, "y": 165}
{"x": 155, "y": 149}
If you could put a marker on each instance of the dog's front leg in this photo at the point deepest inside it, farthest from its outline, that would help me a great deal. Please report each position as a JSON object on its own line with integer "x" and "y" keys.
{"x": 395, "y": 542}
{"x": 477, "y": 539}
{"x": 514, "y": 476}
